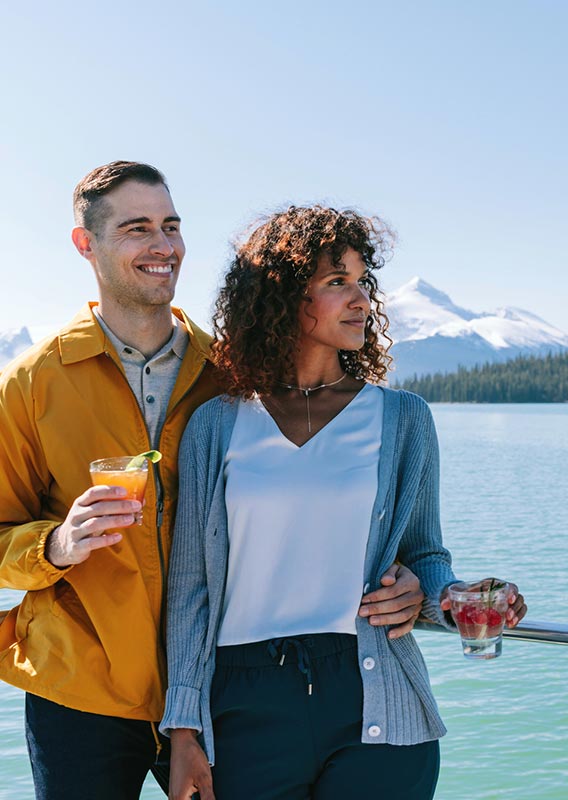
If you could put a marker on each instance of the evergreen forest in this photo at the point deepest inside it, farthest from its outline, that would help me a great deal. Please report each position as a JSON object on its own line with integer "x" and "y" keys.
{"x": 525, "y": 379}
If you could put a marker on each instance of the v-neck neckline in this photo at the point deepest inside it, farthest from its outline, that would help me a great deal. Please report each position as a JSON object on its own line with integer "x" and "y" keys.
{"x": 317, "y": 433}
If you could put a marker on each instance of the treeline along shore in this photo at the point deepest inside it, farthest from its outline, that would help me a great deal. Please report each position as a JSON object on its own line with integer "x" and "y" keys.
{"x": 525, "y": 379}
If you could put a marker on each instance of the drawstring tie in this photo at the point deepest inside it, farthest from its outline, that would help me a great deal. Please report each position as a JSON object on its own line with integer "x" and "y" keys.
{"x": 278, "y": 649}
{"x": 156, "y": 740}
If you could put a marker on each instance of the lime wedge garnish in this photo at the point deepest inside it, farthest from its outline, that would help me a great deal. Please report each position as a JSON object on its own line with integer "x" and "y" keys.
{"x": 152, "y": 455}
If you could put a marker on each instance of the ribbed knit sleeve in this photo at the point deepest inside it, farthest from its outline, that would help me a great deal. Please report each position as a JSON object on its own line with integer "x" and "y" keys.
{"x": 188, "y": 601}
{"x": 421, "y": 548}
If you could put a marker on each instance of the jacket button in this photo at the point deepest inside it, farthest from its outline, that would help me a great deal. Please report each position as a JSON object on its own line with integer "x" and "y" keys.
{"x": 369, "y": 663}
{"x": 366, "y": 588}
{"x": 382, "y": 514}
{"x": 374, "y": 730}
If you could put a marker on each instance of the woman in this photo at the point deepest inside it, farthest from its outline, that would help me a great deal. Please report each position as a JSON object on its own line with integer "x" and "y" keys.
{"x": 318, "y": 478}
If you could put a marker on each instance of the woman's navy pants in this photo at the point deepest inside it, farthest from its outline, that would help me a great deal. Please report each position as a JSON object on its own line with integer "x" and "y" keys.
{"x": 287, "y": 718}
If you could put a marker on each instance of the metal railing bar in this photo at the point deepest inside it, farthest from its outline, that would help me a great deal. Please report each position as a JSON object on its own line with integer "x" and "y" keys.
{"x": 526, "y": 631}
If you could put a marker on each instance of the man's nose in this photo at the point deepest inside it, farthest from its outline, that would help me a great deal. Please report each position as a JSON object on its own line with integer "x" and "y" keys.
{"x": 161, "y": 245}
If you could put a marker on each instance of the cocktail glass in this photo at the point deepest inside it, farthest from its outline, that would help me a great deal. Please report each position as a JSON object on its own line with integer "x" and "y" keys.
{"x": 478, "y": 609}
{"x": 118, "y": 471}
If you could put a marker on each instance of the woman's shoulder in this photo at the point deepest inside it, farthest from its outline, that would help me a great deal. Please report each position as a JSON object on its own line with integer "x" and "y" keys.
{"x": 211, "y": 414}
{"x": 410, "y": 414}
{"x": 408, "y": 401}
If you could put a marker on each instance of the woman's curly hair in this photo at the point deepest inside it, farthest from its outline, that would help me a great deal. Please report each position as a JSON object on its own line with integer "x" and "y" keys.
{"x": 256, "y": 319}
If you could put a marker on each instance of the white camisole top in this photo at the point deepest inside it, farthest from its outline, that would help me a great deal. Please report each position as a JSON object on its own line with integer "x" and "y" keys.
{"x": 298, "y": 522}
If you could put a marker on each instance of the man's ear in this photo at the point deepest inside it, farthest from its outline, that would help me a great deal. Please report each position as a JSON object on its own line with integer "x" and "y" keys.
{"x": 82, "y": 239}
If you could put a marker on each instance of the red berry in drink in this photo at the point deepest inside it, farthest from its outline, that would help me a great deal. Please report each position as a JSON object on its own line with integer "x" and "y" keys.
{"x": 494, "y": 618}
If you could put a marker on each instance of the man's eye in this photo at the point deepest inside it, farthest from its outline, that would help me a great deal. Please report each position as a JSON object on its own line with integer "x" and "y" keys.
{"x": 171, "y": 229}
{"x": 138, "y": 229}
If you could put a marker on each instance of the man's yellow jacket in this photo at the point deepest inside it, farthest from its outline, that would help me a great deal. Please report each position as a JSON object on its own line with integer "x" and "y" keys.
{"x": 89, "y": 637}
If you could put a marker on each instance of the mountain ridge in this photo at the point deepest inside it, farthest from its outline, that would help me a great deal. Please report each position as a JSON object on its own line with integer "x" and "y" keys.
{"x": 432, "y": 334}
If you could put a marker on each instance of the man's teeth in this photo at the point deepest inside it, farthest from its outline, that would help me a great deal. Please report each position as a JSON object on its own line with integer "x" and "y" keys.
{"x": 163, "y": 270}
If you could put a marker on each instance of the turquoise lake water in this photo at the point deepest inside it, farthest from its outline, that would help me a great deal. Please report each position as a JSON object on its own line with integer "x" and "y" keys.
{"x": 505, "y": 513}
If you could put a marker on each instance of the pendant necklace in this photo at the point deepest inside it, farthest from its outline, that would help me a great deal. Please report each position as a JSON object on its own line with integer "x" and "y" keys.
{"x": 307, "y": 390}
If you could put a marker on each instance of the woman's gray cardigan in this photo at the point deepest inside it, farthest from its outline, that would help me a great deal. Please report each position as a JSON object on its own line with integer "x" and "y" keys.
{"x": 398, "y": 704}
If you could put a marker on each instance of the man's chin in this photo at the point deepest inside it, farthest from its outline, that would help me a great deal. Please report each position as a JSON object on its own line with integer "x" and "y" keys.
{"x": 161, "y": 298}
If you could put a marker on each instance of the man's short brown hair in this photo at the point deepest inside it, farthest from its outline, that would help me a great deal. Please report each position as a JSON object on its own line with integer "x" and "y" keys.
{"x": 89, "y": 208}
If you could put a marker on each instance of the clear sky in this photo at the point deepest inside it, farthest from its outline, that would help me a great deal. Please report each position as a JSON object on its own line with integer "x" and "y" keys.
{"x": 447, "y": 117}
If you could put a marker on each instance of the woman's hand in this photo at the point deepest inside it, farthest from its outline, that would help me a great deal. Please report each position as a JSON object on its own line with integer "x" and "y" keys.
{"x": 515, "y": 613}
{"x": 189, "y": 769}
{"x": 397, "y": 604}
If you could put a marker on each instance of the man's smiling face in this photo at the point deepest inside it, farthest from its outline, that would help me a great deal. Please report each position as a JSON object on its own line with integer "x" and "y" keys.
{"x": 137, "y": 252}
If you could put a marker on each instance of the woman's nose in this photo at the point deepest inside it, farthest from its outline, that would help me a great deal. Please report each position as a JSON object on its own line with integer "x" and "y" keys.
{"x": 361, "y": 298}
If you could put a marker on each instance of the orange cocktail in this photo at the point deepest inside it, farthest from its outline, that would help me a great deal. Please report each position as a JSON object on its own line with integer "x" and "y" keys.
{"x": 121, "y": 471}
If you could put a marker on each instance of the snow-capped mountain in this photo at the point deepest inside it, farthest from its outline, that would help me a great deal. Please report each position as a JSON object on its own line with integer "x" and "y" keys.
{"x": 432, "y": 334}
{"x": 12, "y": 343}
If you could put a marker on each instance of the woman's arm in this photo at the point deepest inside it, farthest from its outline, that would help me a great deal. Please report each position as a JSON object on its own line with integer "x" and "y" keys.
{"x": 421, "y": 547}
{"x": 188, "y": 599}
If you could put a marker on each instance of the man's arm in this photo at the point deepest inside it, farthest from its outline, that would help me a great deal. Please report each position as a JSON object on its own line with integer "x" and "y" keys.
{"x": 24, "y": 483}
{"x": 35, "y": 549}
{"x": 398, "y": 603}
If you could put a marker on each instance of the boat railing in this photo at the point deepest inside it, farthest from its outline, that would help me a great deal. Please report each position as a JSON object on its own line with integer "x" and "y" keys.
{"x": 526, "y": 631}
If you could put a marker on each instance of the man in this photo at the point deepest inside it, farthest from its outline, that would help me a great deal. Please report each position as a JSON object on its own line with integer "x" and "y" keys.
{"x": 123, "y": 377}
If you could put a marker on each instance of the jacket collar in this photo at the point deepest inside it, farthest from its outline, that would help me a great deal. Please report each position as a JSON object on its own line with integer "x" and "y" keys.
{"x": 84, "y": 338}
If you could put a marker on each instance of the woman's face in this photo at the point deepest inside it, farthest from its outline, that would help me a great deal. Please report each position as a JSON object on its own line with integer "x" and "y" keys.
{"x": 336, "y": 314}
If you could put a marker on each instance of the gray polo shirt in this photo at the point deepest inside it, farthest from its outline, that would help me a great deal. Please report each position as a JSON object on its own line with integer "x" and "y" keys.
{"x": 151, "y": 379}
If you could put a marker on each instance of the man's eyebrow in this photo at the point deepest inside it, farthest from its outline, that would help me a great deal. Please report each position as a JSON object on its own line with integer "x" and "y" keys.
{"x": 138, "y": 220}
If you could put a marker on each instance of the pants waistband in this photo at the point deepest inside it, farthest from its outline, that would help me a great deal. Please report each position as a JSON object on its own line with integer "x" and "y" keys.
{"x": 261, "y": 654}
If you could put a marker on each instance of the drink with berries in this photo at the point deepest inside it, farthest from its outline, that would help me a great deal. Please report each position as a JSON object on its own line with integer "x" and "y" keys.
{"x": 479, "y": 610}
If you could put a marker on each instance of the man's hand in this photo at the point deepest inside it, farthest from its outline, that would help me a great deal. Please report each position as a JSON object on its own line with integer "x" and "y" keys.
{"x": 189, "y": 769}
{"x": 397, "y": 604}
{"x": 94, "y": 512}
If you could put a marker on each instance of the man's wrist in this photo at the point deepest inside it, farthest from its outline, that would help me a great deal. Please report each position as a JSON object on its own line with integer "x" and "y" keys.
{"x": 50, "y": 547}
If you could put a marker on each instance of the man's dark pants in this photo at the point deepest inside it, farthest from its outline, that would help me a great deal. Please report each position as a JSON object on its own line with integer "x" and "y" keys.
{"x": 75, "y": 754}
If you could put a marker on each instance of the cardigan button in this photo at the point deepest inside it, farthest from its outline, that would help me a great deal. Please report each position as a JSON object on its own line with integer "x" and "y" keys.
{"x": 366, "y": 588}
{"x": 382, "y": 514}
{"x": 369, "y": 663}
{"x": 374, "y": 731}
